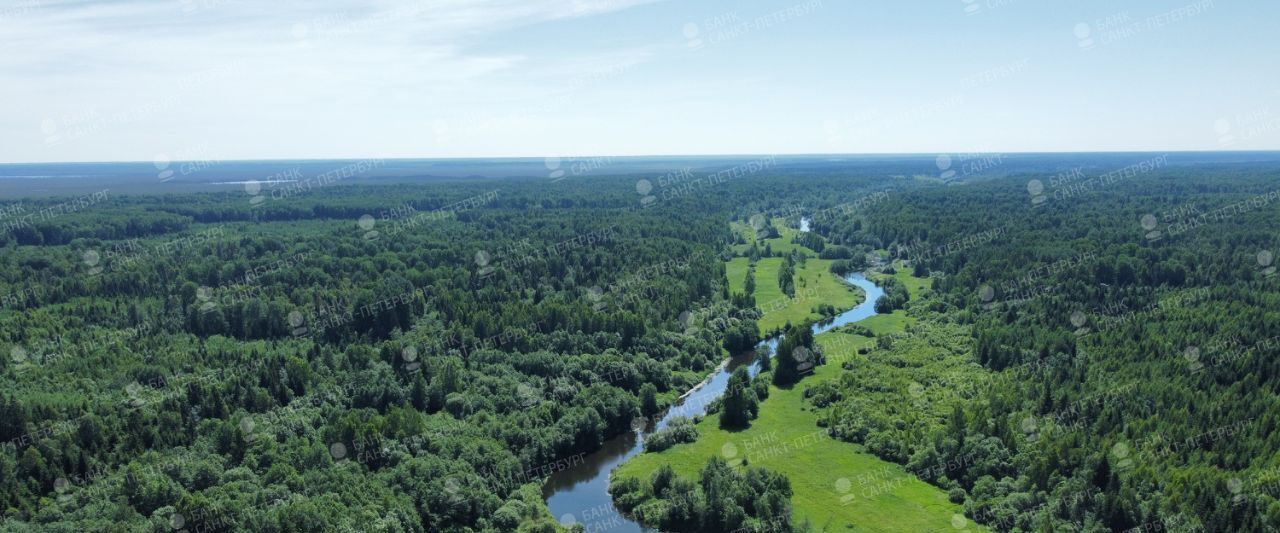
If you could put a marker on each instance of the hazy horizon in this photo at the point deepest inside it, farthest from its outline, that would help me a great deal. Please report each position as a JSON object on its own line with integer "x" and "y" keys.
{"x": 128, "y": 80}
{"x": 583, "y": 157}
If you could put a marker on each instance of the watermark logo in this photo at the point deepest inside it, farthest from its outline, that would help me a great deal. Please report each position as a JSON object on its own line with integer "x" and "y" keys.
{"x": 804, "y": 359}
{"x": 1150, "y": 224}
{"x": 1266, "y": 263}
{"x": 639, "y": 424}
{"x": 1036, "y": 189}
{"x": 135, "y": 395}
{"x": 553, "y": 165}
{"x": 943, "y": 163}
{"x": 1253, "y": 125}
{"x": 20, "y": 358}
{"x": 1192, "y": 355}
{"x": 338, "y": 451}
{"x": 692, "y": 37}
{"x": 177, "y": 521}
{"x": 410, "y": 357}
{"x": 205, "y": 295}
{"x": 185, "y": 162}
{"x": 987, "y": 296}
{"x": 844, "y": 488}
{"x": 297, "y": 323}
{"x": 1084, "y": 36}
{"x": 1236, "y": 487}
{"x": 93, "y": 260}
{"x": 1121, "y": 456}
{"x": 971, "y": 7}
{"x": 643, "y": 188}
{"x": 954, "y": 167}
{"x": 254, "y": 189}
{"x": 484, "y": 269}
{"x": 61, "y": 486}
{"x": 366, "y": 224}
{"x": 162, "y": 163}
{"x": 596, "y": 295}
{"x": 1030, "y": 429}
{"x": 290, "y": 182}
{"x": 1121, "y": 26}
{"x": 247, "y": 429}
{"x": 1080, "y": 322}
{"x": 730, "y": 453}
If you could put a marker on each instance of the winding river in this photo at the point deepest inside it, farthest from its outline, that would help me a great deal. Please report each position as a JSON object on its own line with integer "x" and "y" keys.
{"x": 581, "y": 494}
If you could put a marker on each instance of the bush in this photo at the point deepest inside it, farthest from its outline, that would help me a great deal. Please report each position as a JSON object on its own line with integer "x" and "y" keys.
{"x": 679, "y": 430}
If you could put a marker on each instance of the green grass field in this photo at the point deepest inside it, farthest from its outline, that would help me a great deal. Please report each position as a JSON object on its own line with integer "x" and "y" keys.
{"x": 782, "y": 244}
{"x": 837, "y": 486}
{"x": 915, "y": 286}
{"x": 815, "y": 285}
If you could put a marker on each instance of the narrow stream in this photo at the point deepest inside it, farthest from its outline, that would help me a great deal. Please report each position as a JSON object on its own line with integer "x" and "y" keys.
{"x": 580, "y": 494}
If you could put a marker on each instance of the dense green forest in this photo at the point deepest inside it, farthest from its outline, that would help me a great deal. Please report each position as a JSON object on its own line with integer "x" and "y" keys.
{"x": 420, "y": 356}
{"x": 1128, "y": 340}
{"x": 395, "y": 358}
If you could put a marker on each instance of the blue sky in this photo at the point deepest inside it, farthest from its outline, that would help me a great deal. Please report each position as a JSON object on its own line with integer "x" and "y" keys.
{"x": 130, "y": 80}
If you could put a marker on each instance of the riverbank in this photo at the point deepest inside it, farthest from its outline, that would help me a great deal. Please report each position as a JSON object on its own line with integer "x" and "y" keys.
{"x": 836, "y": 485}
{"x": 575, "y": 494}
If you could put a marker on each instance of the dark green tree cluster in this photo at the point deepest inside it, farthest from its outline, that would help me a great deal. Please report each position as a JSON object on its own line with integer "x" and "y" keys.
{"x": 739, "y": 405}
{"x": 1130, "y": 380}
{"x": 282, "y": 368}
{"x": 679, "y": 430}
{"x": 895, "y": 296}
{"x": 797, "y": 355}
{"x": 787, "y": 276}
{"x": 723, "y": 499}
{"x": 810, "y": 240}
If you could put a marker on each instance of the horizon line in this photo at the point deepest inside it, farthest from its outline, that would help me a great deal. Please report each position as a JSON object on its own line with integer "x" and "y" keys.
{"x": 572, "y": 157}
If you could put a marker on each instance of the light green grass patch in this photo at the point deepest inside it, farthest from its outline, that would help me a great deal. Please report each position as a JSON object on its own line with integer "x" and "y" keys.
{"x": 736, "y": 272}
{"x": 782, "y": 244}
{"x": 815, "y": 285}
{"x": 836, "y": 486}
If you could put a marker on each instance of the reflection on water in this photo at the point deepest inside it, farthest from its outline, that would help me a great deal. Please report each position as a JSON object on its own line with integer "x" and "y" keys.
{"x": 581, "y": 494}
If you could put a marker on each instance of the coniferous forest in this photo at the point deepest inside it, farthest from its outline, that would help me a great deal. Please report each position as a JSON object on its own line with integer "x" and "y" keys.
{"x": 423, "y": 354}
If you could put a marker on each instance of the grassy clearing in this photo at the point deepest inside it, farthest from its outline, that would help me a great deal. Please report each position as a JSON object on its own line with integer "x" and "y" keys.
{"x": 782, "y": 244}
{"x": 815, "y": 285}
{"x": 915, "y": 286}
{"x": 736, "y": 272}
{"x": 837, "y": 485}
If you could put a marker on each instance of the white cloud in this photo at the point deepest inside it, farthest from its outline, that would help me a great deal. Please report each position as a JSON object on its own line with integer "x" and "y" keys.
{"x": 292, "y": 65}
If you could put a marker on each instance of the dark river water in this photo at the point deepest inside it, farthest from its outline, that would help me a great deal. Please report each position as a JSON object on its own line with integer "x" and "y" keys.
{"x": 580, "y": 494}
